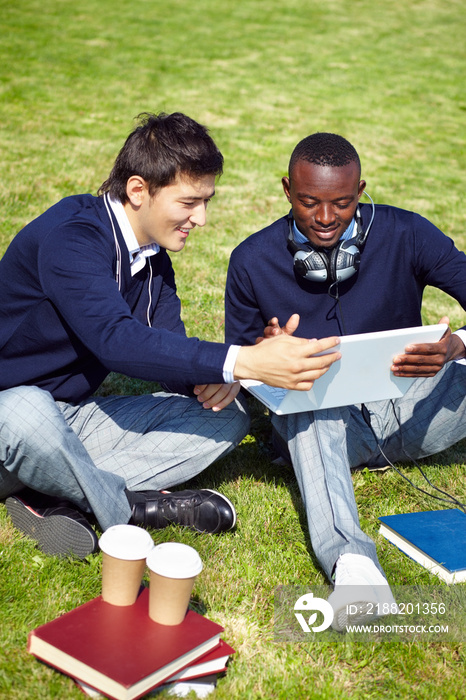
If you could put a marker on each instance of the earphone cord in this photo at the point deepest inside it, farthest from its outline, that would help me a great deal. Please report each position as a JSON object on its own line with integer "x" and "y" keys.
{"x": 336, "y": 295}
{"x": 451, "y": 499}
{"x": 150, "y": 294}
{"x": 117, "y": 245}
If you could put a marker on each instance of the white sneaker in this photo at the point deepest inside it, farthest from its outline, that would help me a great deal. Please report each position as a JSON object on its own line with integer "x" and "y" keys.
{"x": 361, "y": 593}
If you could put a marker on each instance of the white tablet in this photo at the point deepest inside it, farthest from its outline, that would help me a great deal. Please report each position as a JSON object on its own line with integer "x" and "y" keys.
{"x": 361, "y": 375}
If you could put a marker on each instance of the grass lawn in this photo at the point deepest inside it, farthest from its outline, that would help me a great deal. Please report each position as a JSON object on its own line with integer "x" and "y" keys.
{"x": 387, "y": 76}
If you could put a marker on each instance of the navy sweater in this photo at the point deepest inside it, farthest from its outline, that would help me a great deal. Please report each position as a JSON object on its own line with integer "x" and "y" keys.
{"x": 403, "y": 253}
{"x": 64, "y": 324}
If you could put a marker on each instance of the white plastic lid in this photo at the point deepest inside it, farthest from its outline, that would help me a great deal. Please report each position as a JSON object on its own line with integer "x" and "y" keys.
{"x": 174, "y": 560}
{"x": 126, "y": 542}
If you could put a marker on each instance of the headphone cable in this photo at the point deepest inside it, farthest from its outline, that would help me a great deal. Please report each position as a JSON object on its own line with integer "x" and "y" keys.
{"x": 336, "y": 297}
{"x": 451, "y": 499}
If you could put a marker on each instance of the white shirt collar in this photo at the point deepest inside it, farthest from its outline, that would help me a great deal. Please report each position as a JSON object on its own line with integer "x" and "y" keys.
{"x": 346, "y": 235}
{"x": 137, "y": 254}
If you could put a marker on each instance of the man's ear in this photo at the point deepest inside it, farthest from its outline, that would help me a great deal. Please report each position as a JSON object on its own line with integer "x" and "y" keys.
{"x": 136, "y": 190}
{"x": 286, "y": 187}
{"x": 361, "y": 188}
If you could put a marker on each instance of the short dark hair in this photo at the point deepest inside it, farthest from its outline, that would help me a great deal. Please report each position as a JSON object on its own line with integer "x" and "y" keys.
{"x": 161, "y": 147}
{"x": 324, "y": 149}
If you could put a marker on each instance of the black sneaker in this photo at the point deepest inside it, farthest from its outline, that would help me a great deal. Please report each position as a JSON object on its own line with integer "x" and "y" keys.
{"x": 204, "y": 511}
{"x": 57, "y": 527}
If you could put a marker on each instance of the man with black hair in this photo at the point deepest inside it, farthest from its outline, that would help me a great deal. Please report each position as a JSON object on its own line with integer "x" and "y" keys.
{"x": 88, "y": 288}
{"x": 333, "y": 266}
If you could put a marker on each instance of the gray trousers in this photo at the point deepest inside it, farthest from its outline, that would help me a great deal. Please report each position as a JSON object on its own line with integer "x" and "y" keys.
{"x": 325, "y": 445}
{"x": 90, "y": 453}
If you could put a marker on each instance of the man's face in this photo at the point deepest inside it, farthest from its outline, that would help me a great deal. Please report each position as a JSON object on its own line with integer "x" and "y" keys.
{"x": 323, "y": 200}
{"x": 170, "y": 215}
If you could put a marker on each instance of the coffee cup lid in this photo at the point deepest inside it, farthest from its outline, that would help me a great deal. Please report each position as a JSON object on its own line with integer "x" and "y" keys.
{"x": 126, "y": 542}
{"x": 174, "y": 560}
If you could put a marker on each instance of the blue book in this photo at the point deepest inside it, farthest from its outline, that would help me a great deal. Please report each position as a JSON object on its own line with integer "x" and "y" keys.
{"x": 436, "y": 539}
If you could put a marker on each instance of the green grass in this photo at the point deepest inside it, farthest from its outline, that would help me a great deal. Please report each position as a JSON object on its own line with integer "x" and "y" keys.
{"x": 389, "y": 77}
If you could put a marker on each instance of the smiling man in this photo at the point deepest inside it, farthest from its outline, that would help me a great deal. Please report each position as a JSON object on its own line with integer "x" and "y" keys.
{"x": 88, "y": 288}
{"x": 335, "y": 266}
{"x": 324, "y": 200}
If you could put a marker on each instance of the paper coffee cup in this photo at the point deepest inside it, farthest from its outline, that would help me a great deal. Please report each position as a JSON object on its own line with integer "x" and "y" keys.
{"x": 173, "y": 570}
{"x": 124, "y": 551}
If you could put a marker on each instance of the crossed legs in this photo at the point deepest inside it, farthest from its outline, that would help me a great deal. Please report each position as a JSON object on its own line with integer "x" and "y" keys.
{"x": 90, "y": 453}
{"x": 325, "y": 445}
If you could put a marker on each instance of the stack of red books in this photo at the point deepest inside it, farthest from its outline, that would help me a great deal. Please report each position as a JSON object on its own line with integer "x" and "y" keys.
{"x": 121, "y": 653}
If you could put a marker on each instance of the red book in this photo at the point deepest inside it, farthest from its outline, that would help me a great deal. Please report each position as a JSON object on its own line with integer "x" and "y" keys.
{"x": 120, "y": 651}
{"x": 214, "y": 661}
{"x": 202, "y": 686}
{"x": 205, "y": 669}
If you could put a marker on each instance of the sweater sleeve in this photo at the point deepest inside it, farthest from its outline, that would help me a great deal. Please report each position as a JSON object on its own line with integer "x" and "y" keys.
{"x": 76, "y": 272}
{"x": 438, "y": 262}
{"x": 244, "y": 321}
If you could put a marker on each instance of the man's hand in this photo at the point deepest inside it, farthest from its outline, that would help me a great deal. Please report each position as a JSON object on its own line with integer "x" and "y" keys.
{"x": 216, "y": 396}
{"x": 285, "y": 361}
{"x": 273, "y": 327}
{"x": 426, "y": 359}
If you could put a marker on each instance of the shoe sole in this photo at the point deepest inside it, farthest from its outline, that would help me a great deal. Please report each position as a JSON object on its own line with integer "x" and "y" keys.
{"x": 55, "y": 534}
{"x": 342, "y": 620}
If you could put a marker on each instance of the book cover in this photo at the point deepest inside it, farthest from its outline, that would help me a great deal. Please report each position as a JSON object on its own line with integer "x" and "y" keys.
{"x": 205, "y": 669}
{"x": 435, "y": 539}
{"x": 120, "y": 651}
{"x": 201, "y": 687}
{"x": 214, "y": 661}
